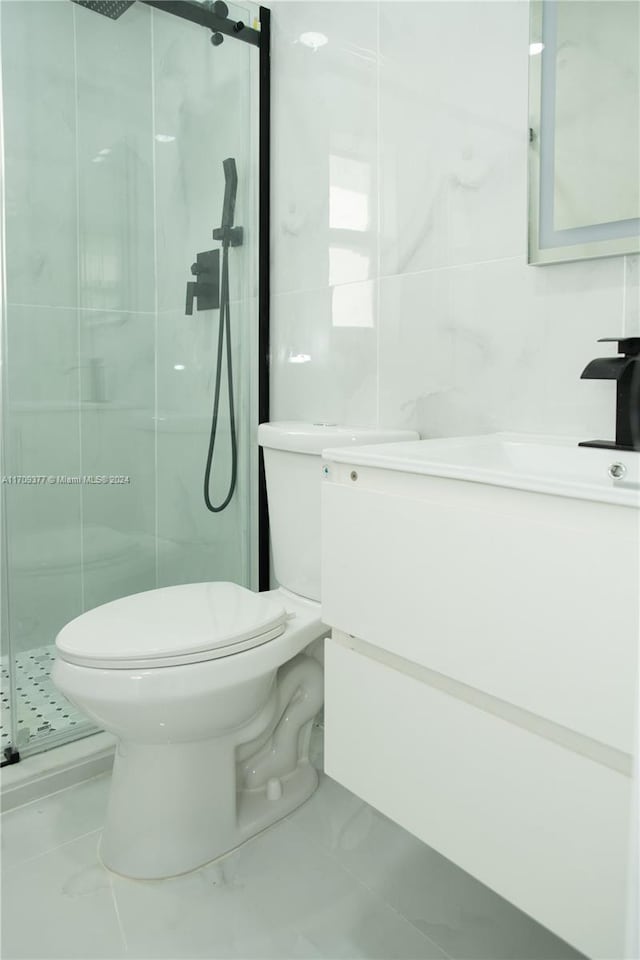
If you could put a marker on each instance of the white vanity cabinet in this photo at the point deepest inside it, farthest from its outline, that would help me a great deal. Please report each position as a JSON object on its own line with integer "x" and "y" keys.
{"x": 480, "y": 676}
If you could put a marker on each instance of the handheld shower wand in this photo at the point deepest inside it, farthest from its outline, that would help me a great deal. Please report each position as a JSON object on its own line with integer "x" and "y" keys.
{"x": 229, "y": 236}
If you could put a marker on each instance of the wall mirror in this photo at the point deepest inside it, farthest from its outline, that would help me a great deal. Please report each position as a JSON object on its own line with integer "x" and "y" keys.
{"x": 584, "y": 129}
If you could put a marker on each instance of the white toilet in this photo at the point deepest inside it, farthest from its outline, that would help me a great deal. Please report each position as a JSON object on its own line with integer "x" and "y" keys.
{"x": 207, "y": 686}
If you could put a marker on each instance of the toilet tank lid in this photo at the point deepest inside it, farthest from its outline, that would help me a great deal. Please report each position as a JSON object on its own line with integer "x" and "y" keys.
{"x": 300, "y": 437}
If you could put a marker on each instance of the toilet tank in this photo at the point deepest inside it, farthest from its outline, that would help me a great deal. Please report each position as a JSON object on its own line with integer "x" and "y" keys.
{"x": 293, "y": 472}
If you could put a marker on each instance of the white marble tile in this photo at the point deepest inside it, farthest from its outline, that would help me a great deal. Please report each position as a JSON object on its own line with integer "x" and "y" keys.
{"x": 193, "y": 543}
{"x": 187, "y": 348}
{"x": 117, "y": 359}
{"x": 44, "y": 563}
{"x": 203, "y": 111}
{"x": 632, "y": 296}
{"x": 42, "y": 357}
{"x": 40, "y": 158}
{"x": 117, "y": 385}
{"x": 324, "y": 122}
{"x": 499, "y": 346}
{"x": 42, "y": 438}
{"x": 465, "y": 918}
{"x": 204, "y": 914}
{"x": 274, "y": 897}
{"x": 279, "y": 896}
{"x": 57, "y": 357}
{"x": 60, "y": 905}
{"x": 453, "y": 109}
{"x": 115, "y": 160}
{"x": 43, "y": 825}
{"x": 117, "y": 381}
{"x": 336, "y": 879}
{"x": 323, "y": 355}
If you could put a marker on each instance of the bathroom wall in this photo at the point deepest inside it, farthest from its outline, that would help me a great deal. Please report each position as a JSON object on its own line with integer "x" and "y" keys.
{"x": 402, "y": 296}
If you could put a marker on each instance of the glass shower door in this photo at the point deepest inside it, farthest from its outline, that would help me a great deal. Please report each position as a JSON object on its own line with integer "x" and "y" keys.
{"x": 204, "y": 97}
{"x": 115, "y": 133}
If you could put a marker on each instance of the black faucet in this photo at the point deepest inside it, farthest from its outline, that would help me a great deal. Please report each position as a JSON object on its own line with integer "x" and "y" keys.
{"x": 626, "y": 372}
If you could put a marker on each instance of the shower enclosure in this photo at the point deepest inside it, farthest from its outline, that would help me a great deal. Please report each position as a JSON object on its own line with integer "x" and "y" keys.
{"x": 117, "y": 120}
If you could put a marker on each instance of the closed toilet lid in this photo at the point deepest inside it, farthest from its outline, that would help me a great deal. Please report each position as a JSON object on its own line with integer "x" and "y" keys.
{"x": 183, "y": 624}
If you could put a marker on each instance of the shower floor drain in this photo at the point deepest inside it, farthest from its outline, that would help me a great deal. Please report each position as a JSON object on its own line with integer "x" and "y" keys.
{"x": 41, "y": 709}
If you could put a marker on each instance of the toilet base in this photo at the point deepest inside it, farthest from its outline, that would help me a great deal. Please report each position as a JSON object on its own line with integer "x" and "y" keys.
{"x": 151, "y": 837}
{"x": 258, "y": 811}
{"x": 176, "y": 806}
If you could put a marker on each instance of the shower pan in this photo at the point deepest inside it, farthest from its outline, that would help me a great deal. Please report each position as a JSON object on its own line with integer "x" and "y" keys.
{"x": 135, "y": 141}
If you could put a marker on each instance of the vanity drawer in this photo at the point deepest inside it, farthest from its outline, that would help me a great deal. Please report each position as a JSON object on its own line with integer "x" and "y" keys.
{"x": 538, "y": 823}
{"x": 525, "y": 596}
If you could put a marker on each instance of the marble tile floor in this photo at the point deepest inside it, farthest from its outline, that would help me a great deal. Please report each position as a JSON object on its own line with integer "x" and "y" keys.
{"x": 334, "y": 880}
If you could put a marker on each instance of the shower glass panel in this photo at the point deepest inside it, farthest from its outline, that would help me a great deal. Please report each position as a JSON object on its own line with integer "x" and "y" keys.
{"x": 115, "y": 132}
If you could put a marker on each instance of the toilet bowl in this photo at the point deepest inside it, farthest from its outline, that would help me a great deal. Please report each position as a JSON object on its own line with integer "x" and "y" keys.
{"x": 213, "y": 744}
{"x": 207, "y": 686}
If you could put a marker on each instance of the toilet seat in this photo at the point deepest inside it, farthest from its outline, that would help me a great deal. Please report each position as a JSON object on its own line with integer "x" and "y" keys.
{"x": 170, "y": 626}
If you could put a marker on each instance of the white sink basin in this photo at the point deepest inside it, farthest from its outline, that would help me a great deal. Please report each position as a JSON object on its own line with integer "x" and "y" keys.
{"x": 550, "y": 465}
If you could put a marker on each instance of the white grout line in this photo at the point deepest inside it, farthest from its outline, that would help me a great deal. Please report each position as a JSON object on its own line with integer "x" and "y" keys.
{"x": 114, "y": 900}
{"x": 78, "y": 309}
{"x": 49, "y": 850}
{"x": 330, "y": 852}
{"x": 399, "y": 276}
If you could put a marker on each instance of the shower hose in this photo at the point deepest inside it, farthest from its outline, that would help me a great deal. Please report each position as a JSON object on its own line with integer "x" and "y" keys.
{"x": 224, "y": 336}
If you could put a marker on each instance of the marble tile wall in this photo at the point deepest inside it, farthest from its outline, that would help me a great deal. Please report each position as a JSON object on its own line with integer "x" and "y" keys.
{"x": 402, "y": 296}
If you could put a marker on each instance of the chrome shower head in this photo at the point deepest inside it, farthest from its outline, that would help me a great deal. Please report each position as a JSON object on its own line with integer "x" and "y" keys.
{"x": 108, "y": 8}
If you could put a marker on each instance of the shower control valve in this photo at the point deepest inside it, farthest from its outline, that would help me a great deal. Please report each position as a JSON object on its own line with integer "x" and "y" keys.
{"x": 206, "y": 287}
